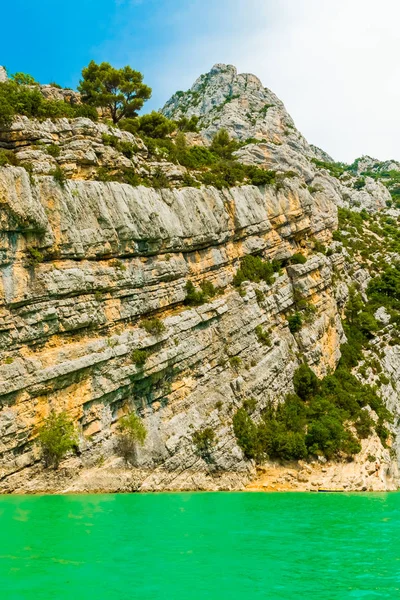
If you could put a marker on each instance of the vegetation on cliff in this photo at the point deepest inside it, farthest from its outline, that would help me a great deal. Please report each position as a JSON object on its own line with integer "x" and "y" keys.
{"x": 131, "y": 433}
{"x": 120, "y": 91}
{"x": 57, "y": 436}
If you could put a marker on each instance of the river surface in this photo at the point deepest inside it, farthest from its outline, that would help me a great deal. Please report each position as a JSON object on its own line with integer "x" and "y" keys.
{"x": 198, "y": 546}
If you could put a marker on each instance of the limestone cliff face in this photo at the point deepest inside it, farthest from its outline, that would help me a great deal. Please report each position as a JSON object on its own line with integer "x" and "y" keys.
{"x": 84, "y": 262}
{"x": 113, "y": 254}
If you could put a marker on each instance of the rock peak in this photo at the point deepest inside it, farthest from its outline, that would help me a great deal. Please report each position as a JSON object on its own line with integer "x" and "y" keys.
{"x": 238, "y": 102}
{"x": 222, "y": 68}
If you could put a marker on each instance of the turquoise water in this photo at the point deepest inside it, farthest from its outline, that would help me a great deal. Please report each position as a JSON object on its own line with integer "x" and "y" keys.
{"x": 192, "y": 546}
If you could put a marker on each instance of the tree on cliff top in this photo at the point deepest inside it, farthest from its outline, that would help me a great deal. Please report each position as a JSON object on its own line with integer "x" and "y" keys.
{"x": 121, "y": 91}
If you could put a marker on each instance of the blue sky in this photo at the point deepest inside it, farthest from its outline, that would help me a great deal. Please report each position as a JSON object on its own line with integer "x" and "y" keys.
{"x": 334, "y": 63}
{"x": 168, "y": 40}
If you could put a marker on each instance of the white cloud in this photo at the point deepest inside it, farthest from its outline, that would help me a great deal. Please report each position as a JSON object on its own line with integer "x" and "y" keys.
{"x": 333, "y": 62}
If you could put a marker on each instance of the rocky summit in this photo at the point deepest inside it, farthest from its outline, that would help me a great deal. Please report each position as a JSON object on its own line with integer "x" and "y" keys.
{"x": 134, "y": 281}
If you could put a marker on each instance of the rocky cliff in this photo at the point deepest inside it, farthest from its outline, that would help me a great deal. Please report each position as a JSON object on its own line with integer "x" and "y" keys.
{"x": 84, "y": 263}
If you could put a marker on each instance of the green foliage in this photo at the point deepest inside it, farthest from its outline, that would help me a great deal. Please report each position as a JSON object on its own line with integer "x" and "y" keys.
{"x": 195, "y": 297}
{"x": 250, "y": 405}
{"x": 222, "y": 145}
{"x": 56, "y": 438}
{"x": 235, "y": 362}
{"x": 188, "y": 125}
{"x": 131, "y": 433}
{"x": 129, "y": 176}
{"x": 298, "y": 259}
{"x": 7, "y": 111}
{"x": 224, "y": 173}
{"x": 53, "y": 150}
{"x": 246, "y": 433}
{"x": 23, "y": 79}
{"x": 153, "y": 326}
{"x": 7, "y": 157}
{"x": 155, "y": 125}
{"x": 253, "y": 268}
{"x": 334, "y": 168}
{"x": 18, "y": 99}
{"x": 139, "y": 357}
{"x": 159, "y": 180}
{"x": 385, "y": 289}
{"x": 204, "y": 441}
{"x": 214, "y": 165}
{"x": 315, "y": 420}
{"x": 119, "y": 91}
{"x": 59, "y": 176}
{"x": 34, "y": 256}
{"x": 82, "y": 110}
{"x": 259, "y": 176}
{"x": 305, "y": 382}
{"x": 263, "y": 336}
{"x": 319, "y": 246}
{"x": 125, "y": 147}
{"x": 359, "y": 184}
{"x": 195, "y": 157}
{"x": 295, "y": 322}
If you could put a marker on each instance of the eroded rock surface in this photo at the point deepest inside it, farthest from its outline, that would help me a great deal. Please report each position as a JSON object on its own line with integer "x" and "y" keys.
{"x": 83, "y": 262}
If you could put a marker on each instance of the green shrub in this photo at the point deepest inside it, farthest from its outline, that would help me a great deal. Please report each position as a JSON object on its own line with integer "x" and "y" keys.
{"x": 159, "y": 180}
{"x": 204, "y": 441}
{"x": 222, "y": 145}
{"x": 262, "y": 336}
{"x": 305, "y": 382}
{"x": 189, "y": 181}
{"x": 83, "y": 110}
{"x": 34, "y": 256}
{"x": 319, "y": 246}
{"x": 259, "y": 176}
{"x": 250, "y": 405}
{"x": 253, "y": 268}
{"x": 131, "y": 433}
{"x": 7, "y": 157}
{"x": 103, "y": 174}
{"x": 235, "y": 362}
{"x": 315, "y": 420}
{"x": 56, "y": 438}
{"x": 139, "y": 357}
{"x": 246, "y": 433}
{"x": 23, "y": 79}
{"x": 359, "y": 184}
{"x": 195, "y": 297}
{"x": 335, "y": 169}
{"x": 53, "y": 150}
{"x": 184, "y": 124}
{"x": 19, "y": 99}
{"x": 155, "y": 125}
{"x": 295, "y": 322}
{"x": 196, "y": 157}
{"x": 59, "y": 176}
{"x": 298, "y": 259}
{"x": 153, "y": 326}
{"x": 385, "y": 289}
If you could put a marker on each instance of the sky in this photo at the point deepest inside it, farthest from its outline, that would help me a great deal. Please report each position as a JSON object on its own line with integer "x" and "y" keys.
{"x": 334, "y": 63}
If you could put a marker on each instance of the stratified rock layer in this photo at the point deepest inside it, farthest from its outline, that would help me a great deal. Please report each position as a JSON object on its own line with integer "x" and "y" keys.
{"x": 111, "y": 254}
